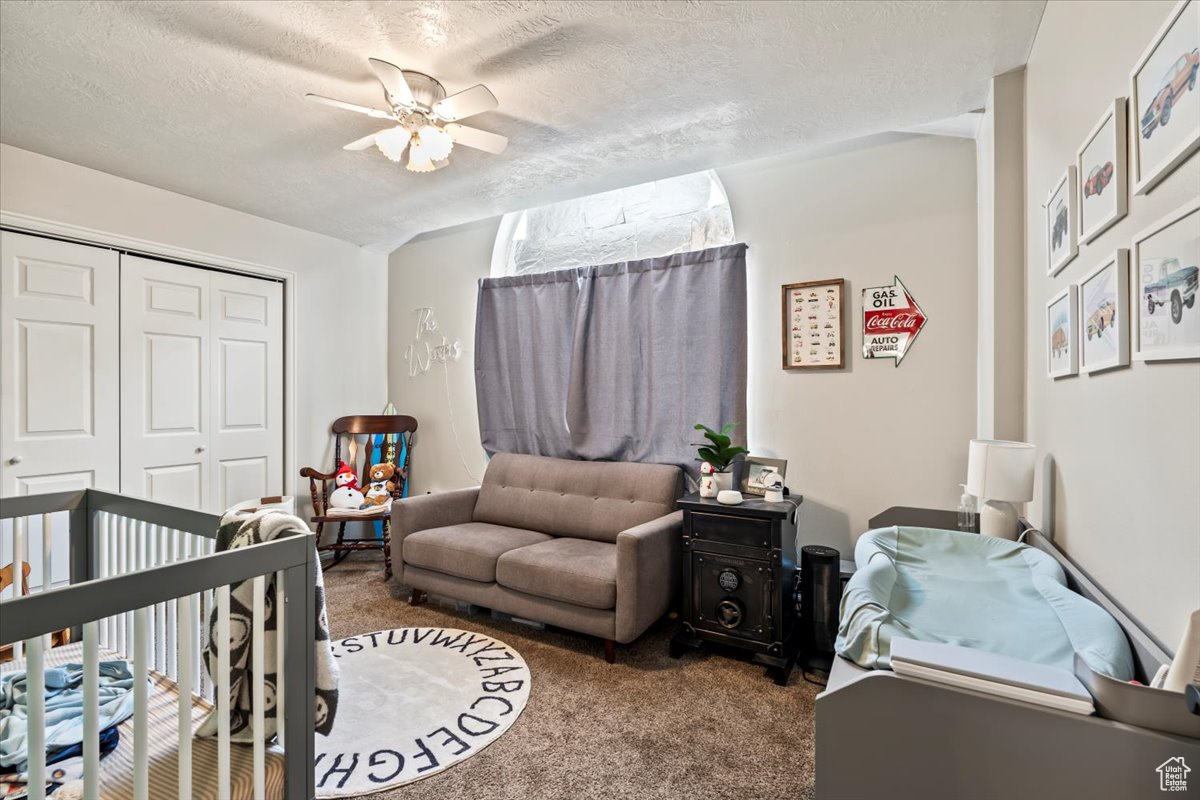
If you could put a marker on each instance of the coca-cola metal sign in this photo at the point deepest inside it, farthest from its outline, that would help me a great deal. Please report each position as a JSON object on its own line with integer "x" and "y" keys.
{"x": 891, "y": 320}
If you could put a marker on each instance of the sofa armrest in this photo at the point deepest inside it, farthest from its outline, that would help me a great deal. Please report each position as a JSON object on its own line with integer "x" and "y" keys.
{"x": 647, "y": 574}
{"x": 425, "y": 511}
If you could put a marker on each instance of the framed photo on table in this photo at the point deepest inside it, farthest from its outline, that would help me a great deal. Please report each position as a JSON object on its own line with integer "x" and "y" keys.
{"x": 1104, "y": 315}
{"x": 814, "y": 325}
{"x": 1061, "y": 223}
{"x": 1164, "y": 100}
{"x": 756, "y": 472}
{"x": 1062, "y": 334}
{"x": 1166, "y": 267}
{"x": 1101, "y": 166}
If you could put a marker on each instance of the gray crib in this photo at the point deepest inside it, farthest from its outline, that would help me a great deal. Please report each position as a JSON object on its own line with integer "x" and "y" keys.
{"x": 144, "y": 579}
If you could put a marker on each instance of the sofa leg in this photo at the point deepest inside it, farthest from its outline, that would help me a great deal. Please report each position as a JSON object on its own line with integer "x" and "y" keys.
{"x": 610, "y": 651}
{"x": 416, "y": 598}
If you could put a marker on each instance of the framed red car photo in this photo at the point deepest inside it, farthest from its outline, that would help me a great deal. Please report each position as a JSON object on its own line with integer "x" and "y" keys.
{"x": 1101, "y": 167}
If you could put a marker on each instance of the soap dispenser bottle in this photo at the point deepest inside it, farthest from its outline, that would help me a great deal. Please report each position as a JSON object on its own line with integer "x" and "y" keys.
{"x": 966, "y": 511}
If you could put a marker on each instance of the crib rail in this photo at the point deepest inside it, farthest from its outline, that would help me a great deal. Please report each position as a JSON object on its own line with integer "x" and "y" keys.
{"x": 143, "y": 579}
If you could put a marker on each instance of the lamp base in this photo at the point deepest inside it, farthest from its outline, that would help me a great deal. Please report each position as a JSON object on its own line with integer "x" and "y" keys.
{"x": 999, "y": 519}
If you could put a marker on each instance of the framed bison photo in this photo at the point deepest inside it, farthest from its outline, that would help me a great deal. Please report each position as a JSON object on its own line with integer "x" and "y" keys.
{"x": 1101, "y": 168}
{"x": 1062, "y": 352}
{"x": 1061, "y": 223}
{"x": 1166, "y": 267}
{"x": 1164, "y": 104}
{"x": 814, "y": 325}
{"x": 1104, "y": 315}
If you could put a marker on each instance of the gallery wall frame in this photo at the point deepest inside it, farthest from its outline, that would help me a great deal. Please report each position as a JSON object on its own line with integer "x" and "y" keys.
{"x": 1165, "y": 271}
{"x": 814, "y": 325}
{"x": 1104, "y": 315}
{"x": 1062, "y": 222}
{"x": 1062, "y": 333}
{"x": 1164, "y": 77}
{"x": 1102, "y": 168}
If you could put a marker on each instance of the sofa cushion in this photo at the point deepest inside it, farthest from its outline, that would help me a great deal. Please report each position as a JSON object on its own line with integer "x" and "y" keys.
{"x": 465, "y": 551}
{"x": 581, "y": 499}
{"x": 576, "y": 571}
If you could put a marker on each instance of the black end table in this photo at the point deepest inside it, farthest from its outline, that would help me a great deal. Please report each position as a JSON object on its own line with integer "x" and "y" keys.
{"x": 739, "y": 573}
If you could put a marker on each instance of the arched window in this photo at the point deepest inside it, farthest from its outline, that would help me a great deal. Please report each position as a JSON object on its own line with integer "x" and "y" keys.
{"x": 676, "y": 215}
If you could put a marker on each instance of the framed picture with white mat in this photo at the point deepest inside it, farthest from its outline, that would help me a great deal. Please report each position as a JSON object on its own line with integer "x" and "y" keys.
{"x": 1062, "y": 334}
{"x": 1164, "y": 104}
{"x": 1062, "y": 223}
{"x": 1102, "y": 168}
{"x": 1166, "y": 267}
{"x": 1104, "y": 315}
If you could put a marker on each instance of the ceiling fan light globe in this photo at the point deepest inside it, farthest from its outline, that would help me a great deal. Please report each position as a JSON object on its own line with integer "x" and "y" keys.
{"x": 418, "y": 160}
{"x": 392, "y": 143}
{"x": 436, "y": 144}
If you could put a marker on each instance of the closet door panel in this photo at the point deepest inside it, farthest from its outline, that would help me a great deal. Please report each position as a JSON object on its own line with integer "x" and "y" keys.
{"x": 247, "y": 353}
{"x": 59, "y": 390}
{"x": 166, "y": 382}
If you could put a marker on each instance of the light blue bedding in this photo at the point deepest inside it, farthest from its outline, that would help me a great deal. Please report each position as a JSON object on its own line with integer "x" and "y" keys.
{"x": 64, "y": 708}
{"x": 974, "y": 591}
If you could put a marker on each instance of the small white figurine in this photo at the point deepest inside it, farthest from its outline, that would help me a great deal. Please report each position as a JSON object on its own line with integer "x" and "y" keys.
{"x": 708, "y": 484}
{"x": 347, "y": 494}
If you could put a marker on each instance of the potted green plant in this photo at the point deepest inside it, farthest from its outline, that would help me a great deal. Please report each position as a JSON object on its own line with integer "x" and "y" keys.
{"x": 721, "y": 452}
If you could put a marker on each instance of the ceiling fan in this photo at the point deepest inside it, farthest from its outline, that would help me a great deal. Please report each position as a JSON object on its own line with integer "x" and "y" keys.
{"x": 425, "y": 119}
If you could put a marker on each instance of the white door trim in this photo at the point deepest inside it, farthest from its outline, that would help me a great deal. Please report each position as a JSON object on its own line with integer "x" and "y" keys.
{"x": 24, "y": 223}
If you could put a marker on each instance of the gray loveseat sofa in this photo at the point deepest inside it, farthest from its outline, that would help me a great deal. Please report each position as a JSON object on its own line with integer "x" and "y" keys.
{"x": 584, "y": 545}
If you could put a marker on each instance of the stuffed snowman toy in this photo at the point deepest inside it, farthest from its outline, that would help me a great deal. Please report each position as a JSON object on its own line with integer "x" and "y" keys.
{"x": 346, "y": 495}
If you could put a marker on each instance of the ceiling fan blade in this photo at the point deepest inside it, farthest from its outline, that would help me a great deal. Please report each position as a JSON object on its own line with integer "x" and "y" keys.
{"x": 329, "y": 101}
{"x": 364, "y": 142}
{"x": 393, "y": 82}
{"x": 492, "y": 143}
{"x": 466, "y": 103}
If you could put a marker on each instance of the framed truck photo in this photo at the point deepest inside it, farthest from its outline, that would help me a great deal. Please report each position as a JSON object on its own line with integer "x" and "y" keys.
{"x": 1166, "y": 277}
{"x": 814, "y": 325}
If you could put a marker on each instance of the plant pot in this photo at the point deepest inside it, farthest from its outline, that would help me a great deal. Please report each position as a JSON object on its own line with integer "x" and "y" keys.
{"x": 724, "y": 480}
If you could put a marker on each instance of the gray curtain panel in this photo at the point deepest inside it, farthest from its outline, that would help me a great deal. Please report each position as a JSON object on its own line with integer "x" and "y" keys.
{"x": 615, "y": 362}
{"x": 523, "y": 329}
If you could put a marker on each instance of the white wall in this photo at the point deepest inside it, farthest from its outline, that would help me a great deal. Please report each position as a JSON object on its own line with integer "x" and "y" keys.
{"x": 1127, "y": 442}
{"x": 1000, "y": 188}
{"x": 440, "y": 270}
{"x": 858, "y": 440}
{"x": 341, "y": 293}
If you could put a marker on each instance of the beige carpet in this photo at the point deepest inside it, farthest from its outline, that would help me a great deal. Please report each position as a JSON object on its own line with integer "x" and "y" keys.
{"x": 706, "y": 726}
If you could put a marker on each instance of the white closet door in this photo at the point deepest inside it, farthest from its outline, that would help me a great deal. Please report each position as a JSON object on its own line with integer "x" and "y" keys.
{"x": 166, "y": 382}
{"x": 247, "y": 367}
{"x": 59, "y": 424}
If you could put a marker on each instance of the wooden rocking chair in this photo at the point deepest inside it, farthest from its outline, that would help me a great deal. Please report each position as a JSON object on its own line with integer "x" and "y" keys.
{"x": 7, "y": 579}
{"x": 385, "y": 438}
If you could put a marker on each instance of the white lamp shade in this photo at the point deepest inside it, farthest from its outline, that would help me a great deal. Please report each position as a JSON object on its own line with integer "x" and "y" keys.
{"x": 999, "y": 470}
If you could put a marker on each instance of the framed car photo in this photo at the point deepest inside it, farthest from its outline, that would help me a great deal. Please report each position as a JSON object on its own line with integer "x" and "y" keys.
{"x": 1164, "y": 103}
{"x": 1166, "y": 267}
{"x": 1101, "y": 167}
{"x": 814, "y": 325}
{"x": 1104, "y": 315}
{"x": 1061, "y": 222}
{"x": 1062, "y": 351}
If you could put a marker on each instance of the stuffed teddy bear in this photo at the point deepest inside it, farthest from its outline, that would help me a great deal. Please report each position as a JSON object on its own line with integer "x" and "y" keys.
{"x": 380, "y": 488}
{"x": 346, "y": 495}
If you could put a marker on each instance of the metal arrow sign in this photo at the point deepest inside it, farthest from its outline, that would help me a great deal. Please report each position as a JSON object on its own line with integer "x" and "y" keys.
{"x": 891, "y": 320}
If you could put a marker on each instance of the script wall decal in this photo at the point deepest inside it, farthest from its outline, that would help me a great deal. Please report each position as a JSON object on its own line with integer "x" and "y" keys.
{"x": 891, "y": 321}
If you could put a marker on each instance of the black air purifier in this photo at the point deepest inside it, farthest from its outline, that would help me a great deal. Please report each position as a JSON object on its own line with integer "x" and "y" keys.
{"x": 820, "y": 598}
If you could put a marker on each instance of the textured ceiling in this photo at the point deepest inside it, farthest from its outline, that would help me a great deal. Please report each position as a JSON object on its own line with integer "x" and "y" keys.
{"x": 206, "y": 99}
